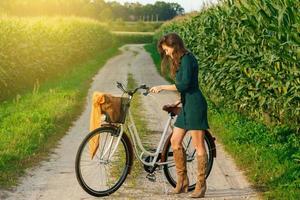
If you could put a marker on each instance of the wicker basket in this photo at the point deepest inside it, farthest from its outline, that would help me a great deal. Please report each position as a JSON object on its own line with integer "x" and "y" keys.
{"x": 125, "y": 103}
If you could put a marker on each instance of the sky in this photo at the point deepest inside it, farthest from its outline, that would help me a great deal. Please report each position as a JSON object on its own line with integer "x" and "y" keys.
{"x": 188, "y": 5}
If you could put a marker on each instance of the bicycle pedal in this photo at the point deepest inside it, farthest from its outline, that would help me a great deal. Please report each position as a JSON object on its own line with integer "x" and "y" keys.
{"x": 151, "y": 177}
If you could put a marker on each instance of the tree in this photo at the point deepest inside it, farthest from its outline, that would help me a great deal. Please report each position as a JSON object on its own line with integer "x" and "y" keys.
{"x": 97, "y": 9}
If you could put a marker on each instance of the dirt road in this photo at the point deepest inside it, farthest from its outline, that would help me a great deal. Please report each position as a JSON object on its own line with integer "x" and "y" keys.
{"x": 55, "y": 178}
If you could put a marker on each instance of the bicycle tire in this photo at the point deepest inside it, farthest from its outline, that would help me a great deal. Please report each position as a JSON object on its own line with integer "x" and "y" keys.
{"x": 125, "y": 146}
{"x": 171, "y": 176}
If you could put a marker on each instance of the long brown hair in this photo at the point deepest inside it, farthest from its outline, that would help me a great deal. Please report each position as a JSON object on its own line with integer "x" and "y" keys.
{"x": 171, "y": 40}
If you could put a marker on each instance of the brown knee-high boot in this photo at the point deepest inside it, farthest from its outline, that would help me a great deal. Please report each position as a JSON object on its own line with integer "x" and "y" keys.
{"x": 200, "y": 188}
{"x": 182, "y": 179}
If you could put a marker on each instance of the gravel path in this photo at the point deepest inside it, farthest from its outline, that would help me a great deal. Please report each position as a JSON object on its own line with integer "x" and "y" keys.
{"x": 55, "y": 178}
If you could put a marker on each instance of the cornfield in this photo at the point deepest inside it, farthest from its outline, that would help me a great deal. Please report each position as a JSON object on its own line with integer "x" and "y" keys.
{"x": 33, "y": 50}
{"x": 248, "y": 53}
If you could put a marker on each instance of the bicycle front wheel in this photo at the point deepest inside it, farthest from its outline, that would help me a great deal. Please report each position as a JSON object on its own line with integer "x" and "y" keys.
{"x": 102, "y": 174}
{"x": 170, "y": 170}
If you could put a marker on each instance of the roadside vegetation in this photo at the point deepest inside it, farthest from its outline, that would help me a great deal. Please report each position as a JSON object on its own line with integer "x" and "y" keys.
{"x": 132, "y": 37}
{"x": 35, "y": 50}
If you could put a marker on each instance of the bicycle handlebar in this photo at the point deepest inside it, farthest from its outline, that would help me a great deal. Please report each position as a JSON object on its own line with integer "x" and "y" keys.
{"x": 132, "y": 92}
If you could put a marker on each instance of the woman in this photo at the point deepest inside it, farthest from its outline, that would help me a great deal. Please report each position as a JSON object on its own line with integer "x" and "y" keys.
{"x": 193, "y": 115}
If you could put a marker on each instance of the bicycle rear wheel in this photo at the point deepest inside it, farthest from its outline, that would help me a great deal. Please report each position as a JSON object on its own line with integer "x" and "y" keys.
{"x": 103, "y": 174}
{"x": 170, "y": 170}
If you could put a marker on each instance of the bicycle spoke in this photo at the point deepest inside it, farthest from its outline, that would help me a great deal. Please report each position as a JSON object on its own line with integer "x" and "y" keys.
{"x": 103, "y": 145}
{"x": 110, "y": 149}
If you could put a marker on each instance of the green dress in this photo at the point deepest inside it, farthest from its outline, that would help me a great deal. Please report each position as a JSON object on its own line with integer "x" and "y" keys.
{"x": 193, "y": 115}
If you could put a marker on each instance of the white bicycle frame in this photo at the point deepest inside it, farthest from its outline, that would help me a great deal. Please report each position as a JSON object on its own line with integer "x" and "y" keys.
{"x": 137, "y": 142}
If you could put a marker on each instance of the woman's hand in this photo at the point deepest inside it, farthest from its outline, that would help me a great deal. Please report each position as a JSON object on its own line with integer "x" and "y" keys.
{"x": 156, "y": 89}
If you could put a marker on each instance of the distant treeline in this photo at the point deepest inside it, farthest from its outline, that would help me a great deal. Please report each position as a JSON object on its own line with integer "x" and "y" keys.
{"x": 97, "y": 9}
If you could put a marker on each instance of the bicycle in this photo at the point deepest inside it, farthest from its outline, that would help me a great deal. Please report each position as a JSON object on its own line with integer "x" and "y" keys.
{"x": 114, "y": 157}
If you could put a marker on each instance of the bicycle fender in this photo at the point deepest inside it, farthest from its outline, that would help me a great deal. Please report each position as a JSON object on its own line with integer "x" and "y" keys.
{"x": 212, "y": 142}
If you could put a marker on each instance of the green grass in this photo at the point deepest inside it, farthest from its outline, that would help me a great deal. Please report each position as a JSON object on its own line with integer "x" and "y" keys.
{"x": 141, "y": 125}
{"x": 33, "y": 123}
{"x": 270, "y": 156}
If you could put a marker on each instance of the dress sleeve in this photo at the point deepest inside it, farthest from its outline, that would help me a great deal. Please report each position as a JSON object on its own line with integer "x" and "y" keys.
{"x": 186, "y": 78}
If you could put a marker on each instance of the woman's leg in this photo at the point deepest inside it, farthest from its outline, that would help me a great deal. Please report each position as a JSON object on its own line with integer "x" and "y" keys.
{"x": 180, "y": 160}
{"x": 177, "y": 138}
{"x": 198, "y": 142}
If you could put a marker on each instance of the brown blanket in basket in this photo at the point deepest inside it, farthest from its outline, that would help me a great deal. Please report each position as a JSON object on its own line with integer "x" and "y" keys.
{"x": 102, "y": 103}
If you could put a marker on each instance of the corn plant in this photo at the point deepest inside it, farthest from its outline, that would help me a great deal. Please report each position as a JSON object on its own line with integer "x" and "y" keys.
{"x": 36, "y": 49}
{"x": 248, "y": 52}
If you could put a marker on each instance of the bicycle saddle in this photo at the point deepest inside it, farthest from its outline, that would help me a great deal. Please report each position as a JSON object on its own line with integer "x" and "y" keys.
{"x": 173, "y": 109}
